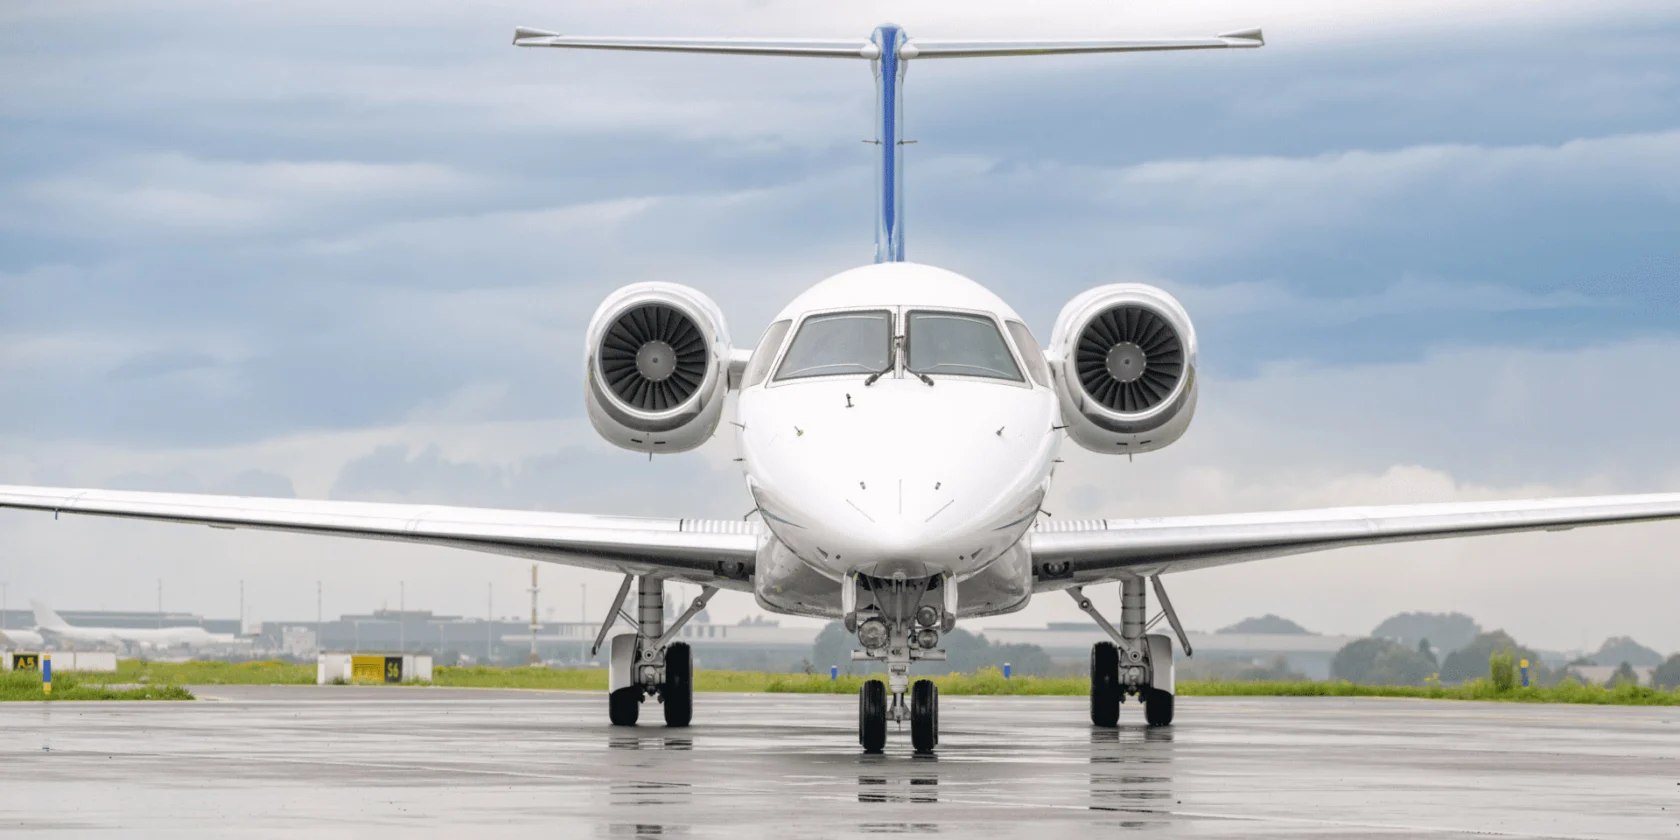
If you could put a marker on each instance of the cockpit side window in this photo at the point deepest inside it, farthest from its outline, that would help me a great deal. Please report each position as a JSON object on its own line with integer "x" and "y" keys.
{"x": 954, "y": 343}
{"x": 839, "y": 343}
{"x": 758, "y": 367}
{"x": 1030, "y": 352}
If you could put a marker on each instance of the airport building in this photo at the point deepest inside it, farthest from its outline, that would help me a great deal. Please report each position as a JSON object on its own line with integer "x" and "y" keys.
{"x": 758, "y": 644}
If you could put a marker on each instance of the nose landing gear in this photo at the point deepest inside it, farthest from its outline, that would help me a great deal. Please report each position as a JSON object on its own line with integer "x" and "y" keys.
{"x": 873, "y": 715}
{"x": 889, "y": 633}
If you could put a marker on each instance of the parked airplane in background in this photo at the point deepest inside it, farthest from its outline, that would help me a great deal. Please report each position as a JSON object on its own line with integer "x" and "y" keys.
{"x": 898, "y": 427}
{"x": 55, "y": 629}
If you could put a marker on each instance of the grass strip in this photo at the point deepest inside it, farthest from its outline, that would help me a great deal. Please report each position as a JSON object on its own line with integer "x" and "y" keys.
{"x": 26, "y": 685}
{"x": 985, "y": 682}
{"x": 991, "y": 682}
{"x": 197, "y": 672}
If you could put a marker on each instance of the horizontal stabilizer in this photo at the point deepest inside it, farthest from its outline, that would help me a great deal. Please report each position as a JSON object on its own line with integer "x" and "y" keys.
{"x": 919, "y": 48}
{"x": 855, "y": 48}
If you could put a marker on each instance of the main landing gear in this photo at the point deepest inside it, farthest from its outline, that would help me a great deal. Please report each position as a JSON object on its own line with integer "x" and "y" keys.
{"x": 899, "y": 629}
{"x": 647, "y": 663}
{"x": 1135, "y": 662}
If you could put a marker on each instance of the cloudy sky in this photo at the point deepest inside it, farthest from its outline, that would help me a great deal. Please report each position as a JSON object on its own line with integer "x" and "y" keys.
{"x": 1432, "y": 250}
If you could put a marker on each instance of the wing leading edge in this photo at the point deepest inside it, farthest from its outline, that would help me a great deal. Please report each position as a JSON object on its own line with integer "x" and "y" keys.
{"x": 714, "y": 552}
{"x": 1098, "y": 550}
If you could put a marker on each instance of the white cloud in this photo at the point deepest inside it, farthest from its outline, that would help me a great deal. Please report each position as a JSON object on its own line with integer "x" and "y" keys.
{"x": 1202, "y": 211}
{"x": 1408, "y": 295}
{"x": 182, "y": 194}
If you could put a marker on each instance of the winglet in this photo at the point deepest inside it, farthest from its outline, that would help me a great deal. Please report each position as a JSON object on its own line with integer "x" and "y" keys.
{"x": 1254, "y": 35}
{"x": 520, "y": 33}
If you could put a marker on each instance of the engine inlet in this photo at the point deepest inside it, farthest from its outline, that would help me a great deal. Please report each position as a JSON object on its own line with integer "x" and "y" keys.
{"x": 654, "y": 357}
{"x": 1129, "y": 358}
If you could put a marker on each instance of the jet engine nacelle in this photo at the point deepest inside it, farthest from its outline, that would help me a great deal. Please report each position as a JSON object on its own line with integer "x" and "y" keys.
{"x": 1124, "y": 357}
{"x": 656, "y": 367}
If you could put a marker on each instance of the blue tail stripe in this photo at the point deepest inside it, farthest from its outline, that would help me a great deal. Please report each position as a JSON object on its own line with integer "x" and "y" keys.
{"x": 889, "y": 197}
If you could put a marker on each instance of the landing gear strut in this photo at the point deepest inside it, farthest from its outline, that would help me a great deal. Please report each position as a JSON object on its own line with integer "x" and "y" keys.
{"x": 647, "y": 663}
{"x": 899, "y": 629}
{"x": 1135, "y": 662}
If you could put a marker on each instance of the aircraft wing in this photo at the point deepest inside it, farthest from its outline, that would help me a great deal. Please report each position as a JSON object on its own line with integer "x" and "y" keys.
{"x": 1082, "y": 552}
{"x": 715, "y": 552}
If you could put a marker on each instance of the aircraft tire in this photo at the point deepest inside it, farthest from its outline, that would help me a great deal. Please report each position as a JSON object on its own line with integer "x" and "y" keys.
{"x": 872, "y": 716}
{"x": 1105, "y": 685}
{"x": 625, "y": 705}
{"x": 924, "y": 716}
{"x": 1157, "y": 707}
{"x": 678, "y": 691}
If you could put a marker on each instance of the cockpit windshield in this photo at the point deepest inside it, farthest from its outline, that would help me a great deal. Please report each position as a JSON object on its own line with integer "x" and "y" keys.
{"x": 839, "y": 343}
{"x": 953, "y": 343}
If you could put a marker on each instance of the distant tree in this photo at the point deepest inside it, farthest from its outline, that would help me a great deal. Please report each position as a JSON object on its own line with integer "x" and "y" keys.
{"x": 965, "y": 652}
{"x": 1026, "y": 660}
{"x": 1268, "y": 623}
{"x": 1471, "y": 660}
{"x": 1624, "y": 649}
{"x": 1425, "y": 650}
{"x": 1276, "y": 670}
{"x": 1447, "y": 632}
{"x": 1502, "y": 669}
{"x": 1624, "y": 674}
{"x": 1381, "y": 662}
{"x": 1667, "y": 675}
{"x": 833, "y": 646}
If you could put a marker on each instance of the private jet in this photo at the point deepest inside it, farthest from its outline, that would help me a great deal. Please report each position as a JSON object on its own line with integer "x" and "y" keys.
{"x": 898, "y": 427}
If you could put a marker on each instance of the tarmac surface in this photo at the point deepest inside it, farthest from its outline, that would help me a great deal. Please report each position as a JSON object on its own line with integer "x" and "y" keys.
{"x": 362, "y": 762}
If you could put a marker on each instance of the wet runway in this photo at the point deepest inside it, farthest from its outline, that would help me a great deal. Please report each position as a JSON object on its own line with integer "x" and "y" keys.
{"x": 364, "y": 762}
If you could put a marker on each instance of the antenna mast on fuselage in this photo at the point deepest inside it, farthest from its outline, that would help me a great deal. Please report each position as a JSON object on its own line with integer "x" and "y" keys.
{"x": 889, "y": 51}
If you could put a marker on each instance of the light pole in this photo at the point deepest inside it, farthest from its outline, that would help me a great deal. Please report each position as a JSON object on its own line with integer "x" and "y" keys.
{"x": 533, "y": 659}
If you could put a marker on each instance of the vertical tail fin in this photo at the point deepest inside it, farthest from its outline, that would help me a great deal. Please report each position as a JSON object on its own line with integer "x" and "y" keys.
{"x": 45, "y": 617}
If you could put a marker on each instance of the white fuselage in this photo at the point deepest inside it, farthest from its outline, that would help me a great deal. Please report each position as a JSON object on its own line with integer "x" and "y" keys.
{"x": 165, "y": 637}
{"x": 898, "y": 477}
